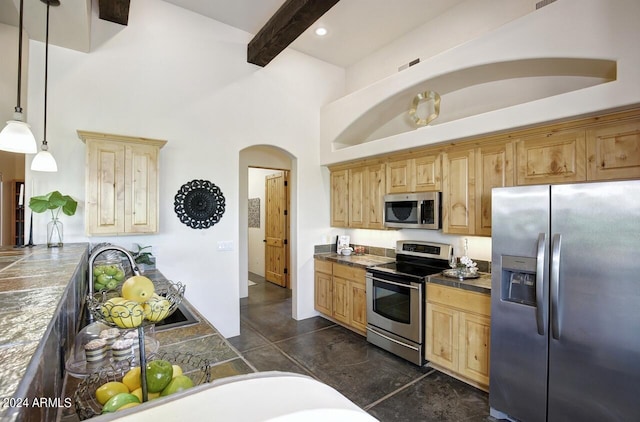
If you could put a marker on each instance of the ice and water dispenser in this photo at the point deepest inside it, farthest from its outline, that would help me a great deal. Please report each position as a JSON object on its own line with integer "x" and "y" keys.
{"x": 519, "y": 279}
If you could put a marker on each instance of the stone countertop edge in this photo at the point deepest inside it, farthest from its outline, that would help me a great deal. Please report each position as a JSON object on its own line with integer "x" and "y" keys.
{"x": 361, "y": 261}
{"x": 478, "y": 285}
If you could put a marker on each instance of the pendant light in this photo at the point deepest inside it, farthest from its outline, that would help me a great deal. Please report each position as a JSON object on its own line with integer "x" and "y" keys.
{"x": 44, "y": 161}
{"x": 16, "y": 136}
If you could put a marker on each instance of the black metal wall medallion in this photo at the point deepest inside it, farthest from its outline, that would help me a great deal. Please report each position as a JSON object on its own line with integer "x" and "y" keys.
{"x": 199, "y": 204}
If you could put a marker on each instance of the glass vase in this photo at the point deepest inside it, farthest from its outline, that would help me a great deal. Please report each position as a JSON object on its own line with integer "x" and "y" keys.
{"x": 55, "y": 232}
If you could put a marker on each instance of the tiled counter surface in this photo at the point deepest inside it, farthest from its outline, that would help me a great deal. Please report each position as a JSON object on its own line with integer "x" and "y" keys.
{"x": 479, "y": 285}
{"x": 362, "y": 261}
{"x": 34, "y": 283}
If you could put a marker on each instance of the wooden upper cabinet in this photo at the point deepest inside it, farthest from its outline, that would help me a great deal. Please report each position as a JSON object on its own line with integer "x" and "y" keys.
{"x": 340, "y": 198}
{"x": 458, "y": 196}
{"x": 358, "y": 190}
{"x": 557, "y": 157}
{"x": 122, "y": 184}
{"x": 613, "y": 152}
{"x": 357, "y": 196}
{"x": 419, "y": 174}
{"x": 376, "y": 189}
{"x": 494, "y": 168}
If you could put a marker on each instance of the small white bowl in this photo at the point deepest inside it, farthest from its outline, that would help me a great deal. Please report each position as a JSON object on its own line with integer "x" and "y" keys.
{"x": 346, "y": 252}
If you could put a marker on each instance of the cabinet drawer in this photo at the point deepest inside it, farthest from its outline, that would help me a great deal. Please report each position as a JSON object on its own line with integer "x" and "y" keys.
{"x": 323, "y": 266}
{"x": 349, "y": 273}
{"x": 458, "y": 298}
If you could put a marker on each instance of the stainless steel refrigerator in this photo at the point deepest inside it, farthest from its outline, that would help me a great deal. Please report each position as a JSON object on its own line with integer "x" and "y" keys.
{"x": 565, "y": 303}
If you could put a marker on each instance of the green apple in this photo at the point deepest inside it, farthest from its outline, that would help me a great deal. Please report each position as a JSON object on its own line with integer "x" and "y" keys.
{"x": 159, "y": 375}
{"x": 119, "y": 400}
{"x": 178, "y": 383}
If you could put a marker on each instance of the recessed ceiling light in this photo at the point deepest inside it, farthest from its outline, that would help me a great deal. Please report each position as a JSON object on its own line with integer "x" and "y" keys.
{"x": 321, "y": 31}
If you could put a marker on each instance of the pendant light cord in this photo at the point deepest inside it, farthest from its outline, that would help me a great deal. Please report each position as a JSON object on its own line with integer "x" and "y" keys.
{"x": 18, "y": 109}
{"x": 46, "y": 73}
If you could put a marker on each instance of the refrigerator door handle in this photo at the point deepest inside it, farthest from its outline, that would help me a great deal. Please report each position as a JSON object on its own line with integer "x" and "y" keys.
{"x": 555, "y": 286}
{"x": 541, "y": 304}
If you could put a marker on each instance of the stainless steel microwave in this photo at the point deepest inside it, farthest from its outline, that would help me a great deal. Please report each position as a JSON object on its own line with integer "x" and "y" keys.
{"x": 412, "y": 210}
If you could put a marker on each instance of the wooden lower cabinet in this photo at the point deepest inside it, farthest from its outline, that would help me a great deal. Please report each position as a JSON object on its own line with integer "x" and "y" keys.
{"x": 458, "y": 333}
{"x": 340, "y": 294}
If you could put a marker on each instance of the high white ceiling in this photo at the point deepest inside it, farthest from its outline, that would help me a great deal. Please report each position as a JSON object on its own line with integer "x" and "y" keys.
{"x": 356, "y": 27}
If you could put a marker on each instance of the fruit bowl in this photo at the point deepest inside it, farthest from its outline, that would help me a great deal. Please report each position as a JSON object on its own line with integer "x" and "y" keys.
{"x": 86, "y": 404}
{"x": 108, "y": 306}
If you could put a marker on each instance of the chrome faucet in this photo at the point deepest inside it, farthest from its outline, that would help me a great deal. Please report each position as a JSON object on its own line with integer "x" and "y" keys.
{"x": 94, "y": 255}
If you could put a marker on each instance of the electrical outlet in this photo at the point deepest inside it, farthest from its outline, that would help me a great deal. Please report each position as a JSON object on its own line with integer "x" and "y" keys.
{"x": 226, "y": 245}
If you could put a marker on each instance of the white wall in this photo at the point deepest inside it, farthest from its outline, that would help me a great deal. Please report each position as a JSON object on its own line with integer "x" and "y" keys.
{"x": 458, "y": 25}
{"x": 175, "y": 75}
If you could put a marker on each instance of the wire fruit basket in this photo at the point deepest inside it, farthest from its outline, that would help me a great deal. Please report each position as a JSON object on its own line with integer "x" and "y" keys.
{"x": 86, "y": 404}
{"x": 109, "y": 307}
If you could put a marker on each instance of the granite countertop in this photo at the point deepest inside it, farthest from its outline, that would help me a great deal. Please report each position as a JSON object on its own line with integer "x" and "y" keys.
{"x": 479, "y": 285}
{"x": 362, "y": 261}
{"x": 32, "y": 284}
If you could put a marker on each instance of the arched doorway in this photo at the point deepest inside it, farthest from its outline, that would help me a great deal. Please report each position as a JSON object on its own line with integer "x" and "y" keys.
{"x": 265, "y": 157}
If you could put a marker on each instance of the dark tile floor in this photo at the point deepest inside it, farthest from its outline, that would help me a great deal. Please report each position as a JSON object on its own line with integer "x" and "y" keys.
{"x": 384, "y": 385}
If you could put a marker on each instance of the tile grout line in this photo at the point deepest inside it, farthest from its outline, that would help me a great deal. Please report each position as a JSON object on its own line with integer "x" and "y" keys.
{"x": 404, "y": 387}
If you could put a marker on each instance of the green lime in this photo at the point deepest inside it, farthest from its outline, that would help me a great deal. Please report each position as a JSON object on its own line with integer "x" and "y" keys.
{"x": 103, "y": 278}
{"x": 119, "y": 275}
{"x": 111, "y": 270}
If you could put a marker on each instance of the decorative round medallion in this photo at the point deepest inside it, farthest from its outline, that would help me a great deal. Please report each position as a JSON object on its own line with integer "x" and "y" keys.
{"x": 199, "y": 204}
{"x": 421, "y": 98}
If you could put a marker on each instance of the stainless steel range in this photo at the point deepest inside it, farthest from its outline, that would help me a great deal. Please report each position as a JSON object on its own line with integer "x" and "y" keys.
{"x": 396, "y": 297}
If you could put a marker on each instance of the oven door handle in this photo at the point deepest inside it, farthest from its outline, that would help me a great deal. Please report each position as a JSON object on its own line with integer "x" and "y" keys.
{"x": 392, "y": 339}
{"x": 410, "y": 286}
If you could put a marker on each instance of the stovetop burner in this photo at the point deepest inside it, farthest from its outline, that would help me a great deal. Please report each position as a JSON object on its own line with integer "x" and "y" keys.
{"x": 417, "y": 259}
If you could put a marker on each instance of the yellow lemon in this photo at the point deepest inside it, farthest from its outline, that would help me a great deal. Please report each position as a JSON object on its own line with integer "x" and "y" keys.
{"x": 132, "y": 378}
{"x": 128, "y": 314}
{"x": 138, "y": 393}
{"x": 157, "y": 308}
{"x": 105, "y": 309}
{"x": 110, "y": 389}
{"x": 138, "y": 288}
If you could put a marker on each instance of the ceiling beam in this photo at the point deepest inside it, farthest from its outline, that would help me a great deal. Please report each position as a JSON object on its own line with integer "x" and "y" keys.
{"x": 287, "y": 24}
{"x": 114, "y": 11}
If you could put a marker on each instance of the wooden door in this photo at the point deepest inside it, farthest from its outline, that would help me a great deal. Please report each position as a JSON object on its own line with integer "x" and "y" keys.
{"x": 427, "y": 174}
{"x": 141, "y": 189}
{"x": 376, "y": 189}
{"x": 399, "y": 176}
{"x": 357, "y": 197}
{"x": 340, "y": 198}
{"x": 458, "y": 207}
{"x": 613, "y": 152}
{"x": 474, "y": 342}
{"x": 358, "y": 305}
{"x": 494, "y": 168}
{"x": 341, "y": 299}
{"x": 552, "y": 158}
{"x": 105, "y": 188}
{"x": 276, "y": 229}
{"x": 323, "y": 287}
{"x": 442, "y": 336}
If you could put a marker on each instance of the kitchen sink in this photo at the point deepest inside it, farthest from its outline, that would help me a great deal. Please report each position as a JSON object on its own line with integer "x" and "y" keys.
{"x": 181, "y": 317}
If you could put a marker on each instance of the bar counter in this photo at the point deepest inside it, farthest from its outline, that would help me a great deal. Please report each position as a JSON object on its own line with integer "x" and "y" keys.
{"x": 41, "y": 291}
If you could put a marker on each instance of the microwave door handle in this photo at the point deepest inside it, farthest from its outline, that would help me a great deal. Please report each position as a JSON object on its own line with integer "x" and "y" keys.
{"x": 423, "y": 212}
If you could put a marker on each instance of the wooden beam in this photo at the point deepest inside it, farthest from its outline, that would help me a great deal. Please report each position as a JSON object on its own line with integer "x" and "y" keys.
{"x": 114, "y": 11}
{"x": 287, "y": 24}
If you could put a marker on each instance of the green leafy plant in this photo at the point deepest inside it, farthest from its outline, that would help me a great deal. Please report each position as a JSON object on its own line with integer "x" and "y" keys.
{"x": 142, "y": 257}
{"x": 55, "y": 202}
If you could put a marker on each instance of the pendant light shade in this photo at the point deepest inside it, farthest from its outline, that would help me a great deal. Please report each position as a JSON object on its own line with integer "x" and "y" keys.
{"x": 17, "y": 136}
{"x": 44, "y": 161}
